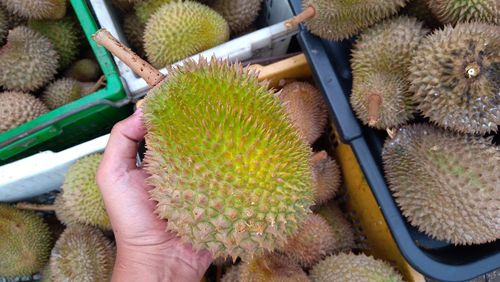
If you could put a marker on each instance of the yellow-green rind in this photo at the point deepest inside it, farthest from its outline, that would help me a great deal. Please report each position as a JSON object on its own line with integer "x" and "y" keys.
{"x": 338, "y": 19}
{"x": 351, "y": 267}
{"x": 145, "y": 9}
{"x": 229, "y": 171}
{"x": 239, "y": 14}
{"x": 454, "y": 75}
{"x": 446, "y": 184}
{"x": 380, "y": 60}
{"x": 64, "y": 36}
{"x": 82, "y": 253}
{"x": 17, "y": 108}
{"x": 61, "y": 92}
{"x": 37, "y": 9}
{"x": 27, "y": 61}
{"x": 25, "y": 242}
{"x": 271, "y": 268}
{"x": 179, "y": 30}
{"x": 455, "y": 11}
{"x": 81, "y": 196}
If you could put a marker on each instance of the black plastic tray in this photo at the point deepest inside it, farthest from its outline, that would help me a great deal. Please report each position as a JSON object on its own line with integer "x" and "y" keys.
{"x": 436, "y": 259}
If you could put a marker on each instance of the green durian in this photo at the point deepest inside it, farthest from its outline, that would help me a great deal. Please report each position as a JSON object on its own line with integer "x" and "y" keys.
{"x": 351, "y": 267}
{"x": 236, "y": 182}
{"x": 64, "y": 36}
{"x": 27, "y": 61}
{"x": 239, "y": 14}
{"x": 446, "y": 184}
{"x": 134, "y": 32}
{"x": 84, "y": 70}
{"x": 61, "y": 92}
{"x": 343, "y": 231}
{"x": 36, "y": 9}
{"x": 455, "y": 77}
{"x": 380, "y": 59}
{"x": 81, "y": 199}
{"x": 82, "y": 253}
{"x": 339, "y": 19}
{"x": 179, "y": 30}
{"x": 145, "y": 9}
{"x": 17, "y": 108}
{"x": 25, "y": 242}
{"x": 271, "y": 268}
{"x": 455, "y": 11}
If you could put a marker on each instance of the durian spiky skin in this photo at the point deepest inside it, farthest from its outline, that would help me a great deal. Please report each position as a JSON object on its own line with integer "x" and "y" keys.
{"x": 455, "y": 11}
{"x": 239, "y": 14}
{"x": 351, "y": 267}
{"x": 134, "y": 32}
{"x": 145, "y": 9}
{"x": 84, "y": 70}
{"x": 312, "y": 242}
{"x": 61, "y": 92}
{"x": 246, "y": 184}
{"x": 81, "y": 196}
{"x": 64, "y": 36}
{"x": 37, "y": 9}
{"x": 327, "y": 179}
{"x": 17, "y": 108}
{"x": 306, "y": 108}
{"x": 454, "y": 75}
{"x": 25, "y": 242}
{"x": 232, "y": 275}
{"x": 82, "y": 253}
{"x": 446, "y": 184}
{"x": 338, "y": 20}
{"x": 272, "y": 268}
{"x": 182, "y": 29}
{"x": 380, "y": 61}
{"x": 27, "y": 61}
{"x": 343, "y": 231}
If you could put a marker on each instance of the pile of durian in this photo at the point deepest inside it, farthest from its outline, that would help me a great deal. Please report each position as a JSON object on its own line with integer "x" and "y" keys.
{"x": 167, "y": 31}
{"x": 44, "y": 63}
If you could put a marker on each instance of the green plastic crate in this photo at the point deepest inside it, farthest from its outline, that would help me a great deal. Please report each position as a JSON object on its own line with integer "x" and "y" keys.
{"x": 76, "y": 122}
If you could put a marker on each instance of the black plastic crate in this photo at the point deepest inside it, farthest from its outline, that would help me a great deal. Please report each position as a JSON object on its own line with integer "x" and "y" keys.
{"x": 436, "y": 259}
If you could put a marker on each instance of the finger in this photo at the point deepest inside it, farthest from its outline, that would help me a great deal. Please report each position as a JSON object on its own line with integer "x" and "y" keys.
{"x": 121, "y": 150}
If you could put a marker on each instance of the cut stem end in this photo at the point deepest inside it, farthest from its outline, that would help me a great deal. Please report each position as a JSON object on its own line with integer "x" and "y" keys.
{"x": 305, "y": 15}
{"x": 374, "y": 103}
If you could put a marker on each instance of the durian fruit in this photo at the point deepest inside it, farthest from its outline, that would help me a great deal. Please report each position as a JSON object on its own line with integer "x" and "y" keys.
{"x": 232, "y": 274}
{"x": 134, "y": 32}
{"x": 326, "y": 176}
{"x": 236, "y": 182}
{"x": 64, "y": 36}
{"x": 455, "y": 11}
{"x": 182, "y": 29}
{"x": 380, "y": 60}
{"x": 81, "y": 199}
{"x": 17, "y": 108}
{"x": 84, "y": 70}
{"x": 27, "y": 61}
{"x": 271, "y": 268}
{"x": 343, "y": 232}
{"x": 351, "y": 267}
{"x": 445, "y": 183}
{"x": 239, "y": 14}
{"x": 4, "y": 25}
{"x": 61, "y": 92}
{"x": 312, "y": 242}
{"x": 145, "y": 9}
{"x": 82, "y": 253}
{"x": 25, "y": 242}
{"x": 339, "y": 19}
{"x": 454, "y": 75}
{"x": 46, "y": 274}
{"x": 36, "y": 9}
{"x": 306, "y": 109}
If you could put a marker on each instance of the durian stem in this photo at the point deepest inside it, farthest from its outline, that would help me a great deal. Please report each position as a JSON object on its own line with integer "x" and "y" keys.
{"x": 317, "y": 157}
{"x": 472, "y": 70}
{"x": 151, "y": 75}
{"x": 96, "y": 86}
{"x": 391, "y": 132}
{"x": 305, "y": 15}
{"x": 35, "y": 207}
{"x": 374, "y": 102}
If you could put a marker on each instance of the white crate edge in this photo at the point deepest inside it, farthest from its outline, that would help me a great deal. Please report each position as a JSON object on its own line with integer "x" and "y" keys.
{"x": 43, "y": 172}
{"x": 274, "y": 39}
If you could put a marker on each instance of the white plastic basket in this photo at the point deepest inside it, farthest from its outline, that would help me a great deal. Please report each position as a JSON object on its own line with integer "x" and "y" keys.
{"x": 272, "y": 40}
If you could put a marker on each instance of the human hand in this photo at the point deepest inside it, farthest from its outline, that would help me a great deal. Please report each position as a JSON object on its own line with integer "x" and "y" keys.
{"x": 145, "y": 250}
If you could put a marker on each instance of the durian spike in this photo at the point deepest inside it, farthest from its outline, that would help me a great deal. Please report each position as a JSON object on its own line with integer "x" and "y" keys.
{"x": 305, "y": 15}
{"x": 35, "y": 207}
{"x": 142, "y": 68}
{"x": 391, "y": 132}
{"x": 374, "y": 102}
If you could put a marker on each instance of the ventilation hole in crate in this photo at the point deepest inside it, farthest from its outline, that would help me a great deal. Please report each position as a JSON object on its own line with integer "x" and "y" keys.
{"x": 270, "y": 3}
